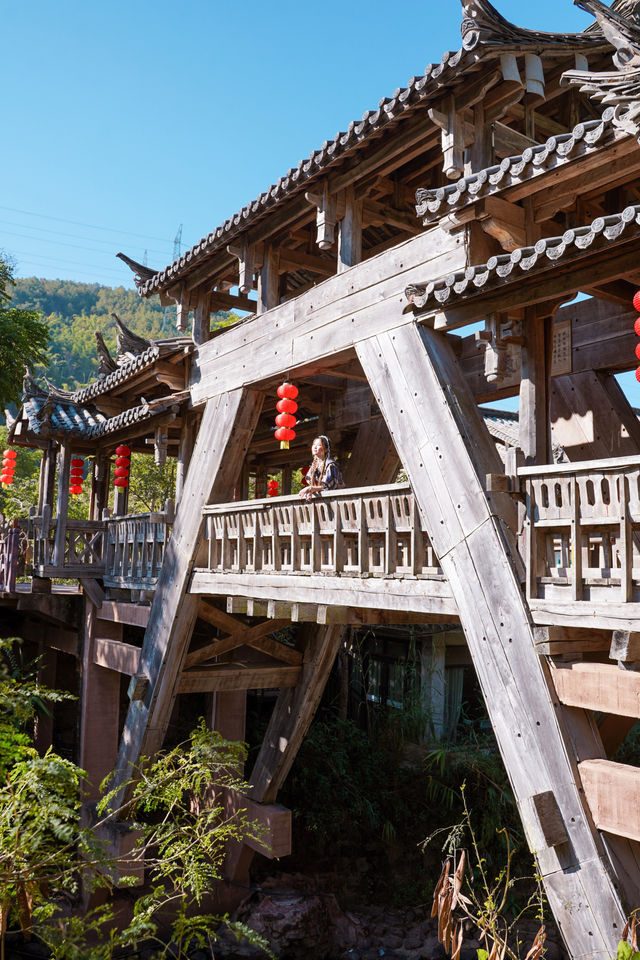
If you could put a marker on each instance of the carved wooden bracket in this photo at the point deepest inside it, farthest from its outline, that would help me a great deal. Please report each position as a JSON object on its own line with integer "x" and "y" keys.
{"x": 497, "y": 335}
{"x": 457, "y": 135}
{"x": 250, "y": 257}
{"x": 330, "y": 209}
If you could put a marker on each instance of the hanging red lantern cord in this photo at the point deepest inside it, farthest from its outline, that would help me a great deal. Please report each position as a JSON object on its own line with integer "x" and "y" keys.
{"x": 285, "y": 421}
{"x": 272, "y": 488}
{"x": 76, "y": 477}
{"x": 8, "y": 467}
{"x": 123, "y": 462}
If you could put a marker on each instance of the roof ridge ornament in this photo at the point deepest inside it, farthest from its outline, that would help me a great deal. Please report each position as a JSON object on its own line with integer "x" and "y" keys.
{"x": 482, "y": 23}
{"x": 142, "y": 272}
{"x": 106, "y": 362}
{"x": 620, "y": 88}
{"x": 130, "y": 345}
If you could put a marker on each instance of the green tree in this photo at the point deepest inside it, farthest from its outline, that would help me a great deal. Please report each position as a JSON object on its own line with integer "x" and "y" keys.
{"x": 23, "y": 338}
{"x": 45, "y": 849}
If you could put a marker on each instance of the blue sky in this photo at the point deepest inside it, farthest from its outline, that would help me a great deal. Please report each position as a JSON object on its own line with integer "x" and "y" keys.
{"x": 124, "y": 120}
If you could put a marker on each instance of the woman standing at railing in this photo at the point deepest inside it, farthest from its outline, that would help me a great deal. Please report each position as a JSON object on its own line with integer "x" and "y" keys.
{"x": 324, "y": 473}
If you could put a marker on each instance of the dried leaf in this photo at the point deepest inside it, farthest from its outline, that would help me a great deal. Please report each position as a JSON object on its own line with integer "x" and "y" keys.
{"x": 440, "y": 884}
{"x": 625, "y": 932}
{"x": 494, "y": 951}
{"x": 443, "y": 914}
{"x": 537, "y": 947}
{"x": 634, "y": 938}
{"x": 457, "y": 942}
{"x": 24, "y": 897}
{"x": 448, "y": 922}
{"x": 458, "y": 878}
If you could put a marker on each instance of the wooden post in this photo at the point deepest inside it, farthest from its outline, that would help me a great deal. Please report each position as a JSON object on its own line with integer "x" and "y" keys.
{"x": 99, "y": 706}
{"x": 268, "y": 280}
{"x": 350, "y": 232}
{"x": 535, "y": 430}
{"x": 202, "y": 318}
{"x": 184, "y": 454}
{"x": 447, "y": 455}
{"x": 228, "y": 423}
{"x": 100, "y": 476}
{"x": 62, "y": 503}
{"x": 433, "y": 683}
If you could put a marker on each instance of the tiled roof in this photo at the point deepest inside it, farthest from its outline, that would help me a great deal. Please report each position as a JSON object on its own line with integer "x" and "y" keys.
{"x": 558, "y": 150}
{"x": 160, "y": 350}
{"x": 55, "y": 416}
{"x": 486, "y": 35}
{"x": 509, "y": 266}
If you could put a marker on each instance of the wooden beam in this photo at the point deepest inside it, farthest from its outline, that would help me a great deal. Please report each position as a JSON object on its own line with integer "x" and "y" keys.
{"x": 598, "y": 686}
{"x": 298, "y": 260}
{"x": 228, "y": 423}
{"x": 228, "y": 677}
{"x": 133, "y": 614}
{"x": 115, "y": 655}
{"x": 555, "y": 641}
{"x": 241, "y": 635}
{"x": 268, "y": 286}
{"x": 274, "y": 819}
{"x": 220, "y": 300}
{"x": 350, "y": 232}
{"x": 447, "y": 454}
{"x": 62, "y": 502}
{"x": 612, "y": 791}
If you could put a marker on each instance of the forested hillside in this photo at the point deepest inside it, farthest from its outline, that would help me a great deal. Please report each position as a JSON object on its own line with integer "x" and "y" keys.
{"x": 75, "y": 310}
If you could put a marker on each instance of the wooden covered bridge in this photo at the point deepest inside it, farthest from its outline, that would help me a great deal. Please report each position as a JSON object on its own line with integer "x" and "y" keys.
{"x": 519, "y": 153}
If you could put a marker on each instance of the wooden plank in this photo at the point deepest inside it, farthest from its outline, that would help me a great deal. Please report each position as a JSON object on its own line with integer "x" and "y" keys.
{"x": 612, "y": 791}
{"x": 555, "y": 641}
{"x": 586, "y": 614}
{"x": 350, "y": 232}
{"x": 625, "y": 646}
{"x": 447, "y": 454}
{"x": 228, "y": 423}
{"x": 62, "y": 503}
{"x": 274, "y": 819}
{"x": 423, "y": 596}
{"x": 241, "y": 636}
{"x": 115, "y": 655}
{"x": 598, "y": 686}
{"x": 133, "y": 614}
{"x": 324, "y": 320}
{"x": 226, "y": 677}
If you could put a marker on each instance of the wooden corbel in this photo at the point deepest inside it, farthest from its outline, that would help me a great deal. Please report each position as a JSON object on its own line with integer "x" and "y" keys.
{"x": 329, "y": 209}
{"x": 181, "y": 297}
{"x": 497, "y": 335}
{"x": 160, "y": 445}
{"x": 504, "y": 221}
{"x": 249, "y": 260}
{"x": 457, "y": 135}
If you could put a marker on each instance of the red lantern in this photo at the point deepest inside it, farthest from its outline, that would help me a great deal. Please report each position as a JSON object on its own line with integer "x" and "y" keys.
{"x": 8, "y": 466}
{"x": 77, "y": 462}
{"x": 123, "y": 462}
{"x": 286, "y": 407}
{"x": 288, "y": 391}
{"x": 10, "y": 454}
{"x": 75, "y": 489}
{"x": 272, "y": 488}
{"x": 6, "y": 479}
{"x": 285, "y": 420}
{"x": 76, "y": 476}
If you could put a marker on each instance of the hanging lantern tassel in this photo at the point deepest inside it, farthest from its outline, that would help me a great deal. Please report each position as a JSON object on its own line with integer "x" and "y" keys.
{"x": 8, "y": 467}
{"x": 286, "y": 421}
{"x": 123, "y": 463}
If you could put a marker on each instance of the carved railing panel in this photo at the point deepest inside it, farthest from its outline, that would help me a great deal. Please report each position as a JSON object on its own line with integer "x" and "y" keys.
{"x": 81, "y": 553}
{"x": 134, "y": 549}
{"x": 371, "y": 531}
{"x": 583, "y": 530}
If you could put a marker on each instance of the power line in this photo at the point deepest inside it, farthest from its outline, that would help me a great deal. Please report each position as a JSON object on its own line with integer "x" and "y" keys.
{"x": 56, "y": 262}
{"x": 74, "y": 236}
{"x": 58, "y": 243}
{"x": 79, "y": 223}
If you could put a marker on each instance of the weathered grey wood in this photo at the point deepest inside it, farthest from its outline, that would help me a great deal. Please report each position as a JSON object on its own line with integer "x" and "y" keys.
{"x": 553, "y": 826}
{"x": 227, "y": 426}
{"x": 534, "y": 426}
{"x": 374, "y": 458}
{"x": 591, "y": 417}
{"x": 268, "y": 280}
{"x": 433, "y": 598}
{"x": 586, "y": 614}
{"x": 231, "y": 677}
{"x": 350, "y": 232}
{"x": 554, "y": 641}
{"x": 202, "y": 318}
{"x": 62, "y": 503}
{"x": 415, "y": 378}
{"x": 326, "y": 319}
{"x": 115, "y": 655}
{"x": 625, "y": 646}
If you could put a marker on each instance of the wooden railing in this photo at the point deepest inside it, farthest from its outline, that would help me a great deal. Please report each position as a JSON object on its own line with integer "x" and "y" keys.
{"x": 134, "y": 548}
{"x": 371, "y": 531}
{"x": 74, "y": 552}
{"x": 583, "y": 530}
